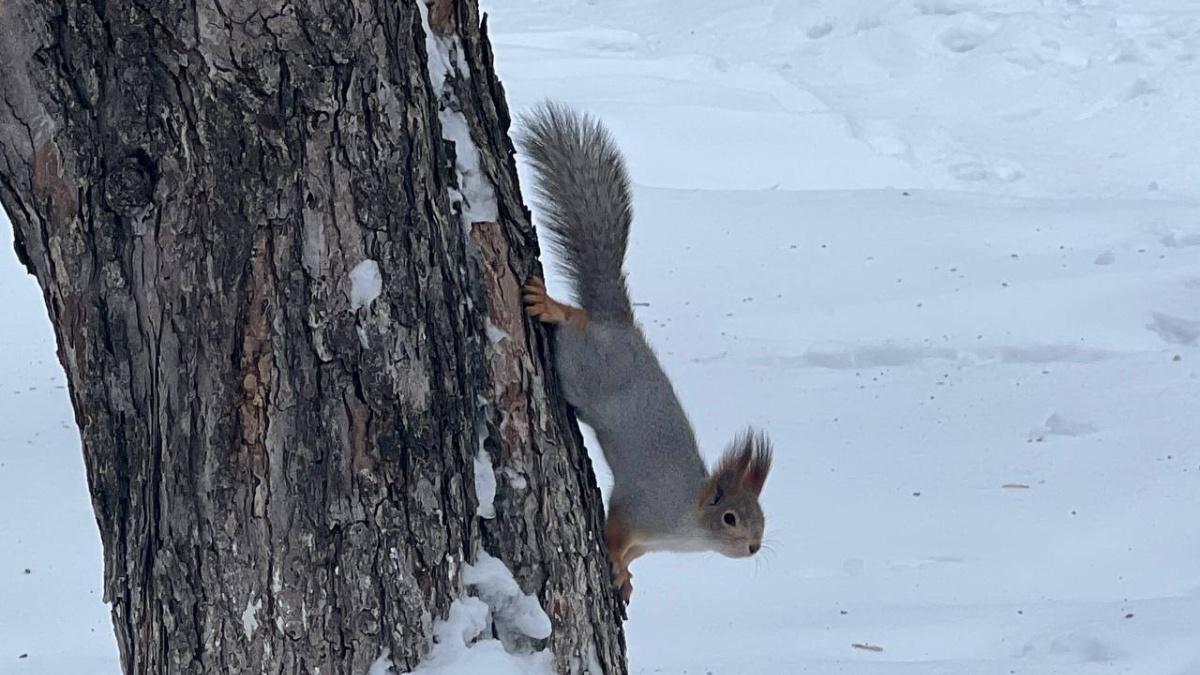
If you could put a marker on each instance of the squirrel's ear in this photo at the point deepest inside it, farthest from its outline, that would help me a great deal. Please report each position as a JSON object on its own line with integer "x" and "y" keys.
{"x": 743, "y": 466}
{"x": 759, "y": 454}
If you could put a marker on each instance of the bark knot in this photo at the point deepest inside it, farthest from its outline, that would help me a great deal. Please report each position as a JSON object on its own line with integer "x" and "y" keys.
{"x": 130, "y": 186}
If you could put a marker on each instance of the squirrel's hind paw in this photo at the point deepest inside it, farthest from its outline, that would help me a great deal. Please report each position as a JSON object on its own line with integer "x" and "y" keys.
{"x": 623, "y": 581}
{"x": 626, "y": 591}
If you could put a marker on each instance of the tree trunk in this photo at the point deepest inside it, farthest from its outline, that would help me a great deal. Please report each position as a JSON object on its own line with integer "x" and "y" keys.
{"x": 283, "y": 464}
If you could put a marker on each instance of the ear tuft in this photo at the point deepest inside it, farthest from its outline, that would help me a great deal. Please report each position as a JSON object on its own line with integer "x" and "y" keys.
{"x": 761, "y": 457}
{"x": 743, "y": 466}
{"x": 747, "y": 460}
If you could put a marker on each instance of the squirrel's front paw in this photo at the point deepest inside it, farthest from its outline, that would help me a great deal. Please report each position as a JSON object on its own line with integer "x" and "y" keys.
{"x": 539, "y": 305}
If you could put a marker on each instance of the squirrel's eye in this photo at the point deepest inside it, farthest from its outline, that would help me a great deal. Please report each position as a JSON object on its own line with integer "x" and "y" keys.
{"x": 730, "y": 519}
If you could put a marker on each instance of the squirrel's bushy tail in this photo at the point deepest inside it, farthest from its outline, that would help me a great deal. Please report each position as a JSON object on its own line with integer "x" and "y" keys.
{"x": 583, "y": 192}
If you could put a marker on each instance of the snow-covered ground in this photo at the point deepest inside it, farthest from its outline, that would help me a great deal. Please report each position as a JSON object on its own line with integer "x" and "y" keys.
{"x": 946, "y": 251}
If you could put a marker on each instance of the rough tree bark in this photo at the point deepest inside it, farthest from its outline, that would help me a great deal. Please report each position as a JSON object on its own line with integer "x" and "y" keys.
{"x": 283, "y": 480}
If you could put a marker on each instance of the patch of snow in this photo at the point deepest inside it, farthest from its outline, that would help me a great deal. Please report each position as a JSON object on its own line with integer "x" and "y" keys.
{"x": 475, "y": 189}
{"x": 382, "y": 665}
{"x": 460, "y": 648}
{"x": 249, "y": 617}
{"x": 485, "y": 485}
{"x": 510, "y": 607}
{"x": 495, "y": 333}
{"x": 475, "y": 195}
{"x": 441, "y": 50}
{"x": 515, "y": 479}
{"x": 365, "y": 284}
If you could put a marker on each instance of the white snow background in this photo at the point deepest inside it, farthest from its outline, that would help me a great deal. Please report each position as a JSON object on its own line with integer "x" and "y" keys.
{"x": 946, "y": 251}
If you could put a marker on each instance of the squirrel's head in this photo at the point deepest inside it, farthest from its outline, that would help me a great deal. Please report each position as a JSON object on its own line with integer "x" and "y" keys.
{"x": 729, "y": 511}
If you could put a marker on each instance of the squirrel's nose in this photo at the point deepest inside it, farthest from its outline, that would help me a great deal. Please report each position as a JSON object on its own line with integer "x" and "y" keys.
{"x": 754, "y": 548}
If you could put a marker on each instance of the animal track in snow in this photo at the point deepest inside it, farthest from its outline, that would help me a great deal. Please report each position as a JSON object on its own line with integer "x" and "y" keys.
{"x": 1021, "y": 115}
{"x": 1079, "y": 646}
{"x": 819, "y": 31}
{"x": 1140, "y": 87}
{"x": 938, "y": 8}
{"x": 961, "y": 40}
{"x": 872, "y": 356}
{"x": 924, "y": 562}
{"x": 882, "y": 138}
{"x": 1047, "y": 353}
{"x": 979, "y": 171}
{"x": 1172, "y": 240}
{"x": 1175, "y": 330}
{"x": 1032, "y": 53}
{"x": 1060, "y": 425}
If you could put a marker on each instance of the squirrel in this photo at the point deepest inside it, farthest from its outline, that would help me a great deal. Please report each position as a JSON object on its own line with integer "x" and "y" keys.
{"x": 663, "y": 496}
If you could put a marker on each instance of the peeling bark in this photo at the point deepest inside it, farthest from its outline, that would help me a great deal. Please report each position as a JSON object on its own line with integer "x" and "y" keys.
{"x": 283, "y": 482}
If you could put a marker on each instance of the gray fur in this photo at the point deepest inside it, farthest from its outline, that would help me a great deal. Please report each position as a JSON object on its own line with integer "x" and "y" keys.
{"x": 608, "y": 370}
{"x": 584, "y": 202}
{"x": 611, "y": 376}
